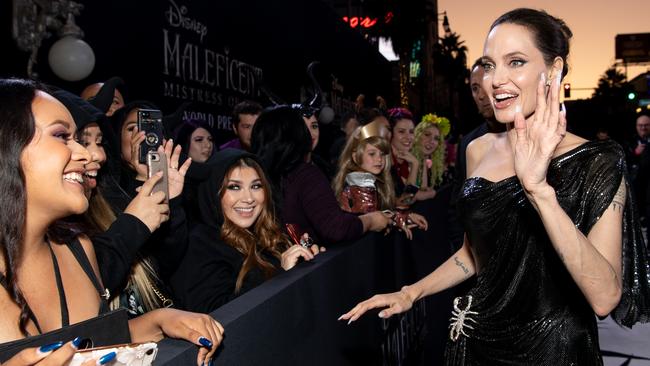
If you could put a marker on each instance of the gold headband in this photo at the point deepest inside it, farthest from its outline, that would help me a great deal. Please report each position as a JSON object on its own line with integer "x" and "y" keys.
{"x": 375, "y": 128}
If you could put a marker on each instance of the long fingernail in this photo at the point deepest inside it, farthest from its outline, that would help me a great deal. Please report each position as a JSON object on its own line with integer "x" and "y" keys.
{"x": 49, "y": 348}
{"x": 562, "y": 108}
{"x": 106, "y": 358}
{"x": 518, "y": 108}
{"x": 341, "y": 317}
{"x": 205, "y": 342}
{"x": 76, "y": 342}
{"x": 382, "y": 314}
{"x": 349, "y": 321}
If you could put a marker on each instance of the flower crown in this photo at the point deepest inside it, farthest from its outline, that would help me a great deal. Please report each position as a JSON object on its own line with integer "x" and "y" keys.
{"x": 442, "y": 123}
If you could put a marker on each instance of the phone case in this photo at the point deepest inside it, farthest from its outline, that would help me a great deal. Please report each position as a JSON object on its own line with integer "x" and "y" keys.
{"x": 134, "y": 354}
{"x": 157, "y": 162}
{"x": 150, "y": 121}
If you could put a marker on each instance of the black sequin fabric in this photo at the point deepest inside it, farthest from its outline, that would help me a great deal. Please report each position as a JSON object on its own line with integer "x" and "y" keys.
{"x": 525, "y": 308}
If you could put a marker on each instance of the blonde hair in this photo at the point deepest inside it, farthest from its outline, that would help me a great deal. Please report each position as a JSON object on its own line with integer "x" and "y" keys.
{"x": 350, "y": 160}
{"x": 437, "y": 157}
{"x": 142, "y": 277}
{"x": 265, "y": 236}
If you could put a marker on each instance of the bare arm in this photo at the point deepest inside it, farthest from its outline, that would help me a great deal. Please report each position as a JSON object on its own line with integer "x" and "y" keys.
{"x": 594, "y": 261}
{"x": 455, "y": 270}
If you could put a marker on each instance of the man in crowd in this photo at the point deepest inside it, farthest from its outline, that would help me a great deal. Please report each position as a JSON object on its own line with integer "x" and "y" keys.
{"x": 638, "y": 162}
{"x": 489, "y": 125}
{"x": 244, "y": 116}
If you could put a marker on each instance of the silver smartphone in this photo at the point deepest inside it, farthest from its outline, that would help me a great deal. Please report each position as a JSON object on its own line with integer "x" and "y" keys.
{"x": 157, "y": 162}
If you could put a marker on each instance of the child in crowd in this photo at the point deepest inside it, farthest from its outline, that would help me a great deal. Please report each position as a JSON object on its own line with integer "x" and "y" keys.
{"x": 364, "y": 183}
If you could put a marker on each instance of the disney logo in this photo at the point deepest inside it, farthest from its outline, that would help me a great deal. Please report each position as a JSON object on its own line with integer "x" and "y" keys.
{"x": 177, "y": 17}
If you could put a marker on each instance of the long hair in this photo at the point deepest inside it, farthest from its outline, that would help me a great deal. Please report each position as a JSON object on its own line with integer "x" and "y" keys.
{"x": 350, "y": 161}
{"x": 437, "y": 157}
{"x": 265, "y": 235}
{"x": 17, "y": 128}
{"x": 282, "y": 142}
{"x": 143, "y": 276}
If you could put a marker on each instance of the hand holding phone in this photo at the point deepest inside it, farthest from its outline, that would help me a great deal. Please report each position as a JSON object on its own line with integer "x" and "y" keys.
{"x": 150, "y": 122}
{"x": 157, "y": 162}
{"x": 134, "y": 354}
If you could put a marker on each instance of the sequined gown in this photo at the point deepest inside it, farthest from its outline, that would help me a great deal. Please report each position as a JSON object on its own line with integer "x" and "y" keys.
{"x": 528, "y": 310}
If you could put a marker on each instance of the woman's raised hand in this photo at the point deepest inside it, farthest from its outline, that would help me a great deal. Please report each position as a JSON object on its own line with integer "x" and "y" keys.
{"x": 393, "y": 303}
{"x": 534, "y": 141}
{"x": 149, "y": 208}
{"x": 175, "y": 174}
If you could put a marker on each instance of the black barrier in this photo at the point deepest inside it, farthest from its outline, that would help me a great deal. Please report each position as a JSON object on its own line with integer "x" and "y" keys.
{"x": 292, "y": 319}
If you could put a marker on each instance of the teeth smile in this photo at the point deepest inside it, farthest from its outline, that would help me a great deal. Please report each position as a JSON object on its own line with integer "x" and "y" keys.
{"x": 73, "y": 177}
{"x": 503, "y": 96}
{"x": 91, "y": 173}
{"x": 247, "y": 210}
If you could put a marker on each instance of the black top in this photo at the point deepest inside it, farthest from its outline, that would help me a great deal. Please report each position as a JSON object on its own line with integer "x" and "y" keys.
{"x": 528, "y": 310}
{"x": 207, "y": 275}
{"x": 206, "y": 278}
{"x": 81, "y": 257}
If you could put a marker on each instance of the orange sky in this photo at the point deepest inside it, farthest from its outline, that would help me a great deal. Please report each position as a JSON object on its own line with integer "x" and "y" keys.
{"x": 594, "y": 24}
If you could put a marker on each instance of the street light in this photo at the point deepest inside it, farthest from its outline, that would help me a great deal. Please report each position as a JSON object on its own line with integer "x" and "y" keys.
{"x": 445, "y": 23}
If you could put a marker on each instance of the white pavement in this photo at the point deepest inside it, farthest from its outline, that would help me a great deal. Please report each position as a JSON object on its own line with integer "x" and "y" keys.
{"x": 628, "y": 343}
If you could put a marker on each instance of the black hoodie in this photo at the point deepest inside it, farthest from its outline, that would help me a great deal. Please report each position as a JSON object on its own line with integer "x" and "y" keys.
{"x": 206, "y": 277}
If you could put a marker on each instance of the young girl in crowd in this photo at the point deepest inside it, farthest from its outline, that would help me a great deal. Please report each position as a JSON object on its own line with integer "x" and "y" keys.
{"x": 364, "y": 184}
{"x": 302, "y": 192}
{"x": 196, "y": 138}
{"x": 429, "y": 150}
{"x": 41, "y": 258}
{"x": 237, "y": 243}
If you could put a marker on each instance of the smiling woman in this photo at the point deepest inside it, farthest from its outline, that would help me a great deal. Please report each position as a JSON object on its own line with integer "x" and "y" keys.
{"x": 237, "y": 244}
{"x": 550, "y": 228}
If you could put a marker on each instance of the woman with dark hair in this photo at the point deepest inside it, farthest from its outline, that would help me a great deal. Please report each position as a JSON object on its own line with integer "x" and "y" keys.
{"x": 195, "y": 137}
{"x": 41, "y": 175}
{"x": 551, "y": 232}
{"x": 405, "y": 165}
{"x": 119, "y": 238}
{"x": 237, "y": 244}
{"x": 302, "y": 194}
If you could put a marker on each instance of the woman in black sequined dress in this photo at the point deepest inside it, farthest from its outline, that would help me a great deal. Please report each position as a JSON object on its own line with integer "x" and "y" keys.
{"x": 550, "y": 232}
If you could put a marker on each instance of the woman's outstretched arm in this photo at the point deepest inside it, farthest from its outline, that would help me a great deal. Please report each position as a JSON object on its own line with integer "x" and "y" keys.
{"x": 453, "y": 271}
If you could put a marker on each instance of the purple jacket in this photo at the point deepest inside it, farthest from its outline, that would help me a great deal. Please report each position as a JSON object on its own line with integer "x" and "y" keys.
{"x": 309, "y": 201}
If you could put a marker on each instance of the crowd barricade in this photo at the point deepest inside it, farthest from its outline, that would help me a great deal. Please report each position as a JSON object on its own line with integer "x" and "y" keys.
{"x": 292, "y": 318}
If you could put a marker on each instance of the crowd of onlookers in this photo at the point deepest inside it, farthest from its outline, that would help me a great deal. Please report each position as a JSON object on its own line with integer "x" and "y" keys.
{"x": 87, "y": 228}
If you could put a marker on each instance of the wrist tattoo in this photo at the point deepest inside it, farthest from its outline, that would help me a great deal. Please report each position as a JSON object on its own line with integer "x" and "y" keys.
{"x": 461, "y": 265}
{"x": 618, "y": 203}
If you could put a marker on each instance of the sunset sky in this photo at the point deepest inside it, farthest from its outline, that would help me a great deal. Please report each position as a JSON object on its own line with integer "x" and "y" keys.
{"x": 594, "y": 23}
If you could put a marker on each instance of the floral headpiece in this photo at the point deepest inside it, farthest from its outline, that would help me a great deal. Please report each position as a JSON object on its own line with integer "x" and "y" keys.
{"x": 442, "y": 123}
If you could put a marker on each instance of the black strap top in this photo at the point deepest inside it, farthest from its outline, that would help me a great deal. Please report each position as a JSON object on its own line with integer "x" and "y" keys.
{"x": 81, "y": 257}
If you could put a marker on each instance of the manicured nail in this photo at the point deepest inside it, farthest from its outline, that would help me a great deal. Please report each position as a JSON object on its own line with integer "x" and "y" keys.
{"x": 49, "y": 348}
{"x": 341, "y": 317}
{"x": 382, "y": 314}
{"x": 562, "y": 108}
{"x": 518, "y": 108}
{"x": 106, "y": 358}
{"x": 205, "y": 342}
{"x": 76, "y": 342}
{"x": 350, "y": 321}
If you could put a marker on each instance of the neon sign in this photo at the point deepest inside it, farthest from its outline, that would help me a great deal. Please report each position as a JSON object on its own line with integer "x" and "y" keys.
{"x": 367, "y": 22}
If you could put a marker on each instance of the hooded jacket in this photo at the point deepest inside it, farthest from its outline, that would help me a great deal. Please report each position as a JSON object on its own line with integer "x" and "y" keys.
{"x": 207, "y": 275}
